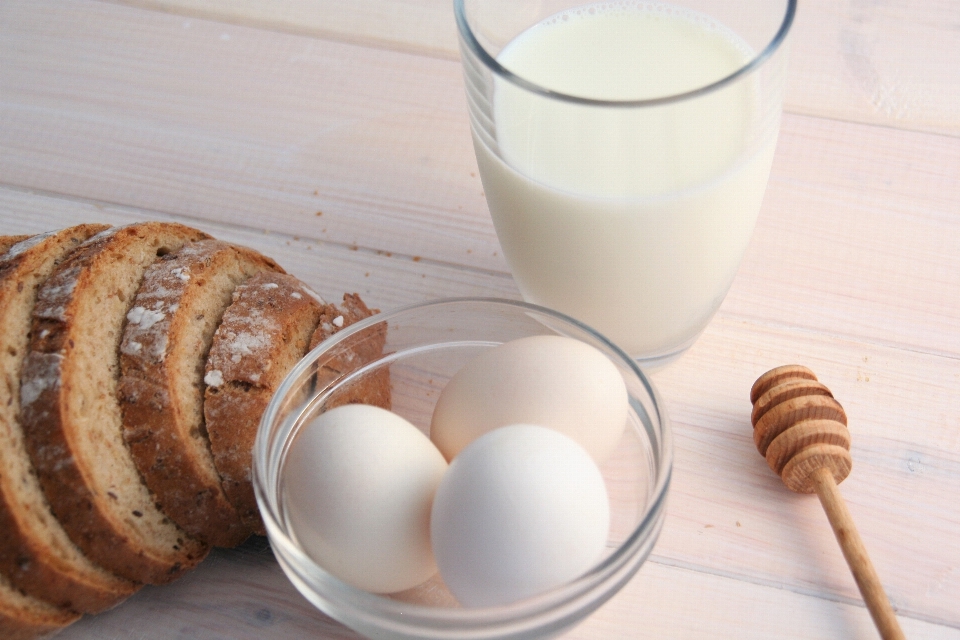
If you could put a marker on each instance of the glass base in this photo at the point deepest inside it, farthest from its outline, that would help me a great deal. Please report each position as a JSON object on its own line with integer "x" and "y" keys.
{"x": 653, "y": 363}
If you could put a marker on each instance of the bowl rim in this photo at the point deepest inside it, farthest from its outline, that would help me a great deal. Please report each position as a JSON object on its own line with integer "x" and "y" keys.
{"x": 405, "y": 617}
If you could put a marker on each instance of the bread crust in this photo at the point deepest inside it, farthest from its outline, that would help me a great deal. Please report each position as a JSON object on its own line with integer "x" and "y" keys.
{"x": 21, "y": 617}
{"x": 24, "y": 618}
{"x": 269, "y": 327}
{"x": 264, "y": 333}
{"x": 163, "y": 350}
{"x": 361, "y": 349}
{"x": 36, "y": 554}
{"x": 8, "y": 241}
{"x": 71, "y": 416}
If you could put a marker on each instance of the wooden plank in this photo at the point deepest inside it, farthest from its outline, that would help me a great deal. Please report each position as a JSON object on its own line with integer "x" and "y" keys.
{"x": 241, "y": 125}
{"x": 728, "y": 514}
{"x": 857, "y": 236}
{"x": 665, "y": 601}
{"x": 426, "y": 27}
{"x": 383, "y": 280}
{"x": 889, "y": 63}
{"x": 242, "y": 594}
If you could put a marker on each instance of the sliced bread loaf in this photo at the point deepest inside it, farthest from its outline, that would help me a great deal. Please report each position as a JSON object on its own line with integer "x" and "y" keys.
{"x": 164, "y": 347}
{"x": 264, "y": 333}
{"x": 26, "y": 618}
{"x": 36, "y": 554}
{"x": 71, "y": 416}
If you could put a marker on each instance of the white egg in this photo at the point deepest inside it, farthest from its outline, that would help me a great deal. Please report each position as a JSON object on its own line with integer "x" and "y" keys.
{"x": 522, "y": 509}
{"x": 359, "y": 483}
{"x": 552, "y": 381}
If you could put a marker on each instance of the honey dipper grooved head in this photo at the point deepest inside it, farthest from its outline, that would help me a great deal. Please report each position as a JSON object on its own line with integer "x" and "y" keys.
{"x": 780, "y": 374}
{"x": 799, "y": 427}
{"x": 786, "y": 390}
{"x": 801, "y": 436}
{"x": 788, "y": 413}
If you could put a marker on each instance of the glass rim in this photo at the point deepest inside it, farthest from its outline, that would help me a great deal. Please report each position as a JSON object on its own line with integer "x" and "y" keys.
{"x": 411, "y": 617}
{"x": 469, "y": 39}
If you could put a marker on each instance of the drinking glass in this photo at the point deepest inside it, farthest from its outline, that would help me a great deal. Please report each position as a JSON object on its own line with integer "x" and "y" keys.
{"x": 624, "y": 149}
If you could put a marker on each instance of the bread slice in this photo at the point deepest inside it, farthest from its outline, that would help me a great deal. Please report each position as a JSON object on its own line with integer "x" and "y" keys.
{"x": 71, "y": 416}
{"x": 361, "y": 349}
{"x": 36, "y": 554}
{"x": 163, "y": 351}
{"x": 26, "y": 618}
{"x": 21, "y": 616}
{"x": 264, "y": 333}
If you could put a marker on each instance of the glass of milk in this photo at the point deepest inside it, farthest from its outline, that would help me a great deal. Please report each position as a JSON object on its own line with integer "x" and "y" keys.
{"x": 624, "y": 149}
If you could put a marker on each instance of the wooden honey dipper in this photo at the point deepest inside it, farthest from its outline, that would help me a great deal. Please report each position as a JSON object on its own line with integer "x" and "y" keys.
{"x": 802, "y": 432}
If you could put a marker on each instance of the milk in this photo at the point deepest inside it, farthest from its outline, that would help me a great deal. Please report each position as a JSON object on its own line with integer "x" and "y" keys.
{"x": 630, "y": 219}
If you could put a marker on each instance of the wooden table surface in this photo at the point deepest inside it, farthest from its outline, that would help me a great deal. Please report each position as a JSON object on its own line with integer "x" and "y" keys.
{"x": 334, "y": 137}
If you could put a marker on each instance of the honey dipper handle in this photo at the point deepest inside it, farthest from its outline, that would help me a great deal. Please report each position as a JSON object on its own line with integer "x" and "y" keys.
{"x": 856, "y": 554}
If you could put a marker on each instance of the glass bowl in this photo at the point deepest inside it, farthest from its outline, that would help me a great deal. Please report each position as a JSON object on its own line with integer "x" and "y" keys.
{"x": 426, "y": 345}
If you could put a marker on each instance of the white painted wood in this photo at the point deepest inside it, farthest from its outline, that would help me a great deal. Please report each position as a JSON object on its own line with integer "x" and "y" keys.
{"x": 383, "y": 280}
{"x": 859, "y": 235}
{"x": 241, "y": 126}
{"x": 244, "y": 591}
{"x": 250, "y": 125}
{"x": 423, "y": 26}
{"x": 254, "y": 128}
{"x": 665, "y": 601}
{"x": 886, "y": 62}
